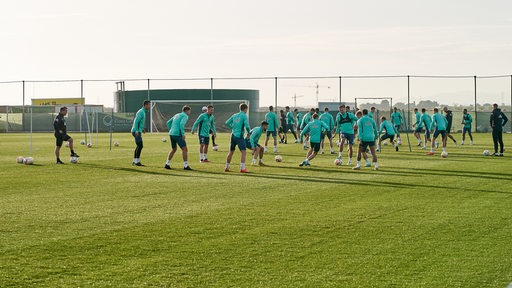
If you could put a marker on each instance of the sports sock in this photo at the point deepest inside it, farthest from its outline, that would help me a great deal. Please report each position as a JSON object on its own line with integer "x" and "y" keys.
{"x": 358, "y": 164}
{"x": 376, "y": 164}
{"x": 205, "y": 156}
{"x": 168, "y": 162}
{"x": 242, "y": 166}
{"x": 340, "y": 154}
{"x": 227, "y": 165}
{"x": 185, "y": 164}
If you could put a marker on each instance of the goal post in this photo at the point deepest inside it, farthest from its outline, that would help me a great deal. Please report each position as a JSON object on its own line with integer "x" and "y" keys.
{"x": 163, "y": 110}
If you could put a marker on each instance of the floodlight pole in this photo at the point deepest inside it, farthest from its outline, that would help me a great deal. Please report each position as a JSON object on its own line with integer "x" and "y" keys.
{"x": 476, "y": 114}
{"x": 408, "y": 100}
{"x": 340, "y": 88}
{"x": 211, "y": 91}
{"x": 23, "y": 111}
{"x": 275, "y": 92}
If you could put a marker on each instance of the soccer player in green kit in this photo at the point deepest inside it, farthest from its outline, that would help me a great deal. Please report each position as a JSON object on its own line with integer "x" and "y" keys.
{"x": 314, "y": 128}
{"x": 238, "y": 123}
{"x": 273, "y": 125}
{"x": 305, "y": 121}
{"x": 397, "y": 120}
{"x": 345, "y": 127}
{"x": 290, "y": 123}
{"x": 176, "y": 127}
{"x": 252, "y": 143}
{"x": 439, "y": 123}
{"x": 327, "y": 118}
{"x": 205, "y": 123}
{"x": 466, "y": 121}
{"x": 426, "y": 121}
{"x": 367, "y": 133}
{"x": 138, "y": 129}
{"x": 390, "y": 133}
{"x": 418, "y": 126}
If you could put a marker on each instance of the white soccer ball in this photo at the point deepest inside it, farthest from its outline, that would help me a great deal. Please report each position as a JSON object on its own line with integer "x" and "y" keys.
{"x": 337, "y": 161}
{"x": 444, "y": 154}
{"x": 386, "y": 143}
{"x": 216, "y": 148}
{"x": 66, "y": 144}
{"x": 487, "y": 153}
{"x": 278, "y": 158}
{"x": 28, "y": 161}
{"x": 164, "y": 140}
{"x": 89, "y": 145}
{"x": 19, "y": 160}
{"x": 116, "y": 143}
{"x": 399, "y": 142}
{"x": 82, "y": 142}
{"x": 73, "y": 159}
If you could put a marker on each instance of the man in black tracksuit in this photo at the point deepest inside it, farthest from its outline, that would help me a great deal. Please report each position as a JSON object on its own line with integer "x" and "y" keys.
{"x": 449, "y": 118}
{"x": 498, "y": 121}
{"x": 59, "y": 124}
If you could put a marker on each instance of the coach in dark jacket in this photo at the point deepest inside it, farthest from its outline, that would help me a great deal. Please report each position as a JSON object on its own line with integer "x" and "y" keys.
{"x": 498, "y": 121}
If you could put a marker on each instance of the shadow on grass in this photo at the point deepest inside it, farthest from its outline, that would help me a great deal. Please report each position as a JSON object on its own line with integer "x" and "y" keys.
{"x": 145, "y": 170}
{"x": 366, "y": 183}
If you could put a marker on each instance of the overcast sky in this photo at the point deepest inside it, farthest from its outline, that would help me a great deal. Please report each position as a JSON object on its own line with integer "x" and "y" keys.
{"x": 102, "y": 39}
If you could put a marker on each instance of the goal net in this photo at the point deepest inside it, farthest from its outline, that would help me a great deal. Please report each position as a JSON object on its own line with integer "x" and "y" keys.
{"x": 161, "y": 111}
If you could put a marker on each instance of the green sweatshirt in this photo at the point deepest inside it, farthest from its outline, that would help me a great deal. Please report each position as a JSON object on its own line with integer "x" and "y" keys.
{"x": 345, "y": 122}
{"x": 255, "y": 136}
{"x": 238, "y": 123}
{"x": 366, "y": 129}
{"x": 271, "y": 119}
{"x": 206, "y": 123}
{"x": 439, "y": 121}
{"x": 386, "y": 125}
{"x": 177, "y": 123}
{"x": 315, "y": 130}
{"x": 139, "y": 121}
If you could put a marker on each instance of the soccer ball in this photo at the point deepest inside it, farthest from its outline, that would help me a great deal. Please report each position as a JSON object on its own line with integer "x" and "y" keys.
{"x": 82, "y": 142}
{"x": 399, "y": 142}
{"x": 487, "y": 153}
{"x": 444, "y": 154}
{"x": 73, "y": 160}
{"x": 116, "y": 143}
{"x": 278, "y": 158}
{"x": 66, "y": 144}
{"x": 19, "y": 160}
{"x": 89, "y": 145}
{"x": 337, "y": 161}
{"x": 28, "y": 161}
{"x": 164, "y": 140}
{"x": 216, "y": 148}
{"x": 386, "y": 143}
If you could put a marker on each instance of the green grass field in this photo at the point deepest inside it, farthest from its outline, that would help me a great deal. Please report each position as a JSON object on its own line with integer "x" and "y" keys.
{"x": 420, "y": 221}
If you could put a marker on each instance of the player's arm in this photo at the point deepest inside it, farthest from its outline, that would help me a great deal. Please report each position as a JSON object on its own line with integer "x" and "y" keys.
{"x": 169, "y": 123}
{"x": 246, "y": 124}
{"x": 505, "y": 119}
{"x": 229, "y": 122}
{"x": 304, "y": 131}
{"x": 214, "y": 130}
{"x": 196, "y": 123}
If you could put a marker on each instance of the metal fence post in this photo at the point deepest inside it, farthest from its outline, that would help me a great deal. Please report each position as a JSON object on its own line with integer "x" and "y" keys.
{"x": 476, "y": 114}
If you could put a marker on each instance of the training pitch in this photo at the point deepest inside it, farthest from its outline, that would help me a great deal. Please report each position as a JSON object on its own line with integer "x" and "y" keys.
{"x": 420, "y": 221}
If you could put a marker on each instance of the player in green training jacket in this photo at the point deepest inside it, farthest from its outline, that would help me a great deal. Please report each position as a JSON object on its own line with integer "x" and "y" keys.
{"x": 176, "y": 127}
{"x": 252, "y": 142}
{"x": 314, "y": 128}
{"x": 345, "y": 128}
{"x": 273, "y": 125}
{"x": 397, "y": 120}
{"x": 367, "y": 134}
{"x": 239, "y": 124}
{"x": 137, "y": 129}
{"x": 418, "y": 127}
{"x": 466, "y": 122}
{"x": 305, "y": 121}
{"x": 327, "y": 118}
{"x": 205, "y": 123}
{"x": 439, "y": 123}
{"x": 290, "y": 123}
{"x": 390, "y": 133}
{"x": 426, "y": 121}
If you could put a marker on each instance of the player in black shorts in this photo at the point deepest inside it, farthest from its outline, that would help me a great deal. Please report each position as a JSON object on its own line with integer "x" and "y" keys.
{"x": 449, "y": 118}
{"x": 59, "y": 124}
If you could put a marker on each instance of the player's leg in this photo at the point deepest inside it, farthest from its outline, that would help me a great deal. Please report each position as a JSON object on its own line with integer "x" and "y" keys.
{"x": 360, "y": 150}
{"x": 174, "y": 147}
{"x": 322, "y": 142}
{"x": 500, "y": 141}
{"x": 58, "y": 145}
{"x": 242, "y": 146}
{"x": 433, "y": 141}
{"x": 470, "y": 136}
{"x": 374, "y": 157}
{"x": 260, "y": 153}
{"x": 232, "y": 147}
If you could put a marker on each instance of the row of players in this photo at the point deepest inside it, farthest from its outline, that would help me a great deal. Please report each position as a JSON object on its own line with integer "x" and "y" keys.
{"x": 314, "y": 130}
